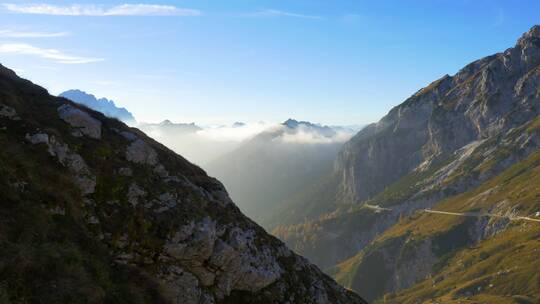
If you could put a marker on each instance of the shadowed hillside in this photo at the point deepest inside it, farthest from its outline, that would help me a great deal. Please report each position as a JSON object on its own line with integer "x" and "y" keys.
{"x": 97, "y": 212}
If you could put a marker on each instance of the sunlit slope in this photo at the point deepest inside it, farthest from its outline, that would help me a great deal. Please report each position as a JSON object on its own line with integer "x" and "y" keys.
{"x": 486, "y": 247}
{"x": 448, "y": 139}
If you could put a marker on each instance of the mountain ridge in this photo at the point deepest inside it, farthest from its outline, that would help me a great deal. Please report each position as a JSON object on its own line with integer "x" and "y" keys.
{"x": 445, "y": 140}
{"x": 107, "y": 203}
{"x": 103, "y": 105}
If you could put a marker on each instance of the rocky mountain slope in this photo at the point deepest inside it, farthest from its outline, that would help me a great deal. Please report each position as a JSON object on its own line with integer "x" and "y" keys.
{"x": 481, "y": 246}
{"x": 266, "y": 171}
{"x": 94, "y": 211}
{"x": 448, "y": 148}
{"x": 103, "y": 105}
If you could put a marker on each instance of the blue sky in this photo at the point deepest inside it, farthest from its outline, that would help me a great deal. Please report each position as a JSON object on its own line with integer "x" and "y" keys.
{"x": 215, "y": 61}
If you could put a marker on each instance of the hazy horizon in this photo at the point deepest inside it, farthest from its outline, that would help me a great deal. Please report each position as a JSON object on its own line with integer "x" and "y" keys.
{"x": 338, "y": 63}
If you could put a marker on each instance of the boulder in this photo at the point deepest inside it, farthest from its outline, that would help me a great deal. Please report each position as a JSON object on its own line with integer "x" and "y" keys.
{"x": 82, "y": 122}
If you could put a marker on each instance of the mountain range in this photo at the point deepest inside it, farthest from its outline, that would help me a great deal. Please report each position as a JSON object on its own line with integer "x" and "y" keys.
{"x": 265, "y": 172}
{"x": 265, "y": 167}
{"x": 438, "y": 201}
{"x": 192, "y": 141}
{"x": 103, "y": 105}
{"x": 94, "y": 211}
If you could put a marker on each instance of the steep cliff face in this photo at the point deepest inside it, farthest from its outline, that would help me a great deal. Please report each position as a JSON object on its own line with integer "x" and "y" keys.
{"x": 487, "y": 97}
{"x": 95, "y": 210}
{"x": 453, "y": 137}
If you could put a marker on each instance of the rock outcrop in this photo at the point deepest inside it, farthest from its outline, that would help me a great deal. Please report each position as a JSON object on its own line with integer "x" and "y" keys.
{"x": 82, "y": 122}
{"x": 487, "y": 97}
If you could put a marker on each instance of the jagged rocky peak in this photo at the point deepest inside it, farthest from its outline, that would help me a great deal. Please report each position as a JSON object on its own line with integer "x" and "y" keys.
{"x": 293, "y": 123}
{"x": 136, "y": 221}
{"x": 530, "y": 36}
{"x": 529, "y": 44}
{"x": 168, "y": 125}
{"x": 483, "y": 99}
{"x": 103, "y": 105}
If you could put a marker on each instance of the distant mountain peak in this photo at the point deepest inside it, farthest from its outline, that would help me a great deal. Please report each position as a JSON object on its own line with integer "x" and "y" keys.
{"x": 172, "y": 126}
{"x": 534, "y": 32}
{"x": 293, "y": 123}
{"x": 528, "y": 47}
{"x": 103, "y": 105}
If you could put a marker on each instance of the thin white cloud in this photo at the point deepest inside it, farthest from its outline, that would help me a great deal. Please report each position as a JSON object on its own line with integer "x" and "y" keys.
{"x": 278, "y": 13}
{"x": 499, "y": 18}
{"x": 22, "y": 34}
{"x": 306, "y": 136}
{"x": 235, "y": 134}
{"x": 99, "y": 10}
{"x": 52, "y": 54}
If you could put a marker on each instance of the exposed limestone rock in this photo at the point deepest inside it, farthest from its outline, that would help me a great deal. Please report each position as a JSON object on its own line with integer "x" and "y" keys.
{"x": 84, "y": 179}
{"x": 125, "y": 171}
{"x": 258, "y": 267}
{"x": 134, "y": 194}
{"x": 166, "y": 201}
{"x": 234, "y": 264}
{"x": 82, "y": 122}
{"x": 128, "y": 135}
{"x": 8, "y": 113}
{"x": 182, "y": 287}
{"x": 38, "y": 138}
{"x": 160, "y": 170}
{"x": 200, "y": 239}
{"x": 141, "y": 153}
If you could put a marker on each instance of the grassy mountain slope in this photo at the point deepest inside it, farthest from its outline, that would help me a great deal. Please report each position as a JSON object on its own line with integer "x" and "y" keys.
{"x": 490, "y": 255}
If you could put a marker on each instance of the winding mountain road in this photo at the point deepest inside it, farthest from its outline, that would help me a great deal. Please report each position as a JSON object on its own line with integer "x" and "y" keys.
{"x": 378, "y": 209}
{"x": 478, "y": 214}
